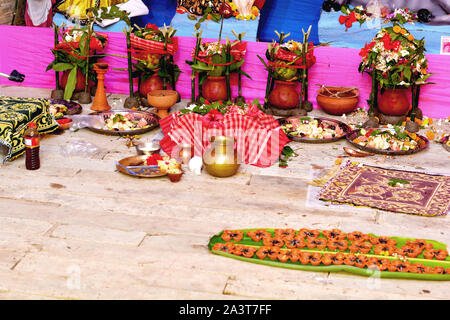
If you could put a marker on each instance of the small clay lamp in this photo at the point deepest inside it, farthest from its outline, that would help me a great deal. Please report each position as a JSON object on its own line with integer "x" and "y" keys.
{"x": 100, "y": 101}
{"x": 162, "y": 100}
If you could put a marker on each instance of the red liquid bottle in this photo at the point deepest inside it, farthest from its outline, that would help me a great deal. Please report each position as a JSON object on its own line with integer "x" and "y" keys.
{"x": 32, "y": 161}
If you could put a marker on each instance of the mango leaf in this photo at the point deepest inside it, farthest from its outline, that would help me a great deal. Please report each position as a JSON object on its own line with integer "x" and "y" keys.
{"x": 71, "y": 83}
{"x": 62, "y": 66}
{"x": 247, "y": 241}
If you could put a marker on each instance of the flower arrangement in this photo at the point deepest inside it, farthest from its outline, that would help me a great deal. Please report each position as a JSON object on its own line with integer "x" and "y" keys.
{"x": 216, "y": 59}
{"x": 395, "y": 58}
{"x": 154, "y": 48}
{"x": 215, "y": 11}
{"x": 361, "y": 15}
{"x": 75, "y": 54}
{"x": 290, "y": 54}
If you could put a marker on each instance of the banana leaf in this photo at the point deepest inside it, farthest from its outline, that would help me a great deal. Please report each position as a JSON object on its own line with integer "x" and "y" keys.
{"x": 341, "y": 268}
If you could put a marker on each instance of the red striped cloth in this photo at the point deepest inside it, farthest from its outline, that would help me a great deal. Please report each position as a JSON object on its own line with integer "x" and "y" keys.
{"x": 154, "y": 46}
{"x": 259, "y": 138}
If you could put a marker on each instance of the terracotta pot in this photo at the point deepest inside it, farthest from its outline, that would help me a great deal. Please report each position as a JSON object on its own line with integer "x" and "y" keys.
{"x": 394, "y": 102}
{"x": 81, "y": 79}
{"x": 215, "y": 89}
{"x": 162, "y": 100}
{"x": 284, "y": 95}
{"x": 174, "y": 177}
{"x": 337, "y": 100}
{"x": 100, "y": 102}
{"x": 151, "y": 84}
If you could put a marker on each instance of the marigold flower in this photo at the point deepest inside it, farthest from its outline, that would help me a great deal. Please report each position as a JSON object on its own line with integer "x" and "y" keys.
{"x": 397, "y": 29}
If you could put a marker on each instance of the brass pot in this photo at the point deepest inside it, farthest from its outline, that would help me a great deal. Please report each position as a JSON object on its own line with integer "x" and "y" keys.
{"x": 221, "y": 159}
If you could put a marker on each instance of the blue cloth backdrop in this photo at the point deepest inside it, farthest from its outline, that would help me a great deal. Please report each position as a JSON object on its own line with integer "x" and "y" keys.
{"x": 289, "y": 16}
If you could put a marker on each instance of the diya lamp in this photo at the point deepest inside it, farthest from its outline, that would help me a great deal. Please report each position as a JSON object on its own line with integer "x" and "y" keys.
{"x": 100, "y": 101}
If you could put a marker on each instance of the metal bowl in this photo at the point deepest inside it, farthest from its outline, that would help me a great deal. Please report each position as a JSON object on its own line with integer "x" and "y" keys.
{"x": 147, "y": 148}
{"x": 151, "y": 118}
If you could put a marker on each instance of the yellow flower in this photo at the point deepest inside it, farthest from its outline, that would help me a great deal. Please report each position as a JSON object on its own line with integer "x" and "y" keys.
{"x": 403, "y": 31}
{"x": 397, "y": 29}
{"x": 357, "y": 16}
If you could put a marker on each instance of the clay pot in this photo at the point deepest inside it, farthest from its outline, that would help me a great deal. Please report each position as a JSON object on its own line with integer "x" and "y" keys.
{"x": 337, "y": 100}
{"x": 81, "y": 80}
{"x": 162, "y": 100}
{"x": 284, "y": 95}
{"x": 394, "y": 102}
{"x": 174, "y": 177}
{"x": 215, "y": 89}
{"x": 151, "y": 84}
{"x": 221, "y": 159}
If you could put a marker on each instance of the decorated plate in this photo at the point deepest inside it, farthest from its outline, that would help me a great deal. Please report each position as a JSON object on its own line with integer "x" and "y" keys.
{"x": 421, "y": 143}
{"x": 129, "y": 119}
{"x": 446, "y": 142}
{"x": 323, "y": 130}
{"x": 133, "y": 166}
{"x": 60, "y": 108}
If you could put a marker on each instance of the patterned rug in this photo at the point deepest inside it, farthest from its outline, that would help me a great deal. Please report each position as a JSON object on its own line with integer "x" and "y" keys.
{"x": 15, "y": 114}
{"x": 387, "y": 189}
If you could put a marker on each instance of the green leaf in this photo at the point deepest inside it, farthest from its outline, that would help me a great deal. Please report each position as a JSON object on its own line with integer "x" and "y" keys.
{"x": 71, "y": 83}
{"x": 394, "y": 181}
{"x": 192, "y": 17}
{"x": 62, "y": 66}
{"x": 339, "y": 268}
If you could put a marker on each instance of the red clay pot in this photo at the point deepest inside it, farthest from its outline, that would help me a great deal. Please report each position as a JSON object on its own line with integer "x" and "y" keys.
{"x": 215, "y": 89}
{"x": 150, "y": 84}
{"x": 394, "y": 102}
{"x": 284, "y": 95}
{"x": 81, "y": 79}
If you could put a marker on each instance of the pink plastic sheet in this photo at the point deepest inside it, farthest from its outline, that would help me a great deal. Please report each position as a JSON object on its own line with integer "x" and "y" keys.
{"x": 27, "y": 49}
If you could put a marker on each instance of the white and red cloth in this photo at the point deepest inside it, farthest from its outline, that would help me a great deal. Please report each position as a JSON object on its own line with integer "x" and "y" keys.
{"x": 259, "y": 137}
{"x": 38, "y": 13}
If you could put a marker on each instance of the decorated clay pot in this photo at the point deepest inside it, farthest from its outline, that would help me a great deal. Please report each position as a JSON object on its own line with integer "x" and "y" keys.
{"x": 81, "y": 79}
{"x": 284, "y": 95}
{"x": 150, "y": 84}
{"x": 394, "y": 102}
{"x": 215, "y": 89}
{"x": 162, "y": 100}
{"x": 337, "y": 100}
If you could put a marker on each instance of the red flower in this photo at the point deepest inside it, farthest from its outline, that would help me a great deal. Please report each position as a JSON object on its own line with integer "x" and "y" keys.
{"x": 151, "y": 26}
{"x": 365, "y": 51}
{"x": 389, "y": 44}
{"x": 213, "y": 119}
{"x": 207, "y": 102}
{"x": 348, "y": 20}
{"x": 153, "y": 159}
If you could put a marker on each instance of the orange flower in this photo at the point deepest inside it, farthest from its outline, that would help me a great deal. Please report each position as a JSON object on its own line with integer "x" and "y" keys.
{"x": 410, "y": 37}
{"x": 397, "y": 29}
{"x": 403, "y": 31}
{"x": 430, "y": 135}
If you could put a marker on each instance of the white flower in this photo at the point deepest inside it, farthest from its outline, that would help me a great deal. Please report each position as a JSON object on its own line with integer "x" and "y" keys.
{"x": 404, "y": 53}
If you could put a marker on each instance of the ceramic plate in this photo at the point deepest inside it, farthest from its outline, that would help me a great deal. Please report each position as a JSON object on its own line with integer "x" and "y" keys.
{"x": 151, "y": 118}
{"x": 72, "y": 107}
{"x": 132, "y": 166}
{"x": 444, "y": 142}
{"x": 343, "y": 126}
{"x": 354, "y": 134}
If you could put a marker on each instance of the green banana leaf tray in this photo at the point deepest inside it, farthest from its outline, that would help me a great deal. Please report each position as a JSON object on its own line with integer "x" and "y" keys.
{"x": 341, "y": 268}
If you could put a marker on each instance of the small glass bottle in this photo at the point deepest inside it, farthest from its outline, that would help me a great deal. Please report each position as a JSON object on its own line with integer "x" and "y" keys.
{"x": 32, "y": 161}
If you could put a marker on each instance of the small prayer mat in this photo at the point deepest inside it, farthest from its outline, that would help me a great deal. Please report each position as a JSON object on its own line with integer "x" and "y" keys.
{"x": 361, "y": 185}
{"x": 15, "y": 114}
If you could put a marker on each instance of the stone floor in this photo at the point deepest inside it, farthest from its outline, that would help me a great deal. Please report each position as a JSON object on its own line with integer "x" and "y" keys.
{"x": 77, "y": 229}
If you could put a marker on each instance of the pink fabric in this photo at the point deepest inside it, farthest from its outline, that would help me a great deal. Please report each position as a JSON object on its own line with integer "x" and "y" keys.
{"x": 28, "y": 51}
{"x": 259, "y": 138}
